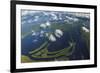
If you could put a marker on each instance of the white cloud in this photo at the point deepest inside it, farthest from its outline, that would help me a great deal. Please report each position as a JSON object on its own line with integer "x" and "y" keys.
{"x": 48, "y": 24}
{"x": 54, "y": 16}
{"x": 52, "y": 38}
{"x": 85, "y": 29}
{"x": 25, "y": 12}
{"x": 30, "y": 21}
{"x": 73, "y": 19}
{"x": 42, "y": 32}
{"x": 33, "y": 33}
{"x": 43, "y": 25}
{"x": 58, "y": 33}
{"x": 36, "y": 18}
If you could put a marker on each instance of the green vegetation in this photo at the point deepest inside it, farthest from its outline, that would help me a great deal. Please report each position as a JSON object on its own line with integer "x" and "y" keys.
{"x": 38, "y": 49}
{"x": 25, "y": 59}
{"x": 43, "y": 52}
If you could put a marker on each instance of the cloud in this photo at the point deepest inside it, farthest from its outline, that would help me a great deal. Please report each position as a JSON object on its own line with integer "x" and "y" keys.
{"x": 85, "y": 29}
{"x": 58, "y": 33}
{"x": 43, "y": 26}
{"x": 52, "y": 38}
